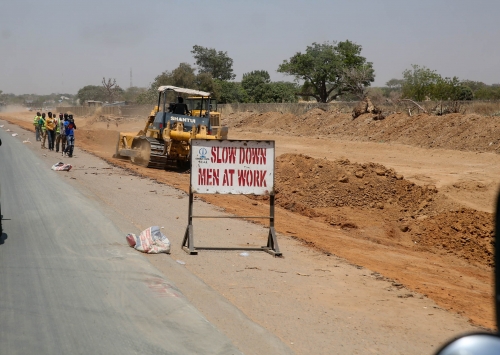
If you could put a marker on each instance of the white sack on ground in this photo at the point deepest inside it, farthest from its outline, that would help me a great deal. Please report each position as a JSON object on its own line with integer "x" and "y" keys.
{"x": 61, "y": 166}
{"x": 151, "y": 241}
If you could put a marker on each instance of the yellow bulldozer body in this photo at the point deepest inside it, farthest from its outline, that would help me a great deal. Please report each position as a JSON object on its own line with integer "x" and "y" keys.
{"x": 154, "y": 146}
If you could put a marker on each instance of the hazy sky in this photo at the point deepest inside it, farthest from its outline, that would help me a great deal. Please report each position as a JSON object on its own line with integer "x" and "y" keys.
{"x": 62, "y": 45}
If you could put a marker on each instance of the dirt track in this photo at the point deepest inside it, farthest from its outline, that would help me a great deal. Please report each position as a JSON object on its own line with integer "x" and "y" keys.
{"x": 413, "y": 213}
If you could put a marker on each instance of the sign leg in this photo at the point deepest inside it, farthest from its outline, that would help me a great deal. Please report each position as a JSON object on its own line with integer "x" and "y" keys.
{"x": 187, "y": 242}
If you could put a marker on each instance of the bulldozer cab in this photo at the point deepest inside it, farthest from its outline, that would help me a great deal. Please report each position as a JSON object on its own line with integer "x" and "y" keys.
{"x": 165, "y": 116}
{"x": 199, "y": 107}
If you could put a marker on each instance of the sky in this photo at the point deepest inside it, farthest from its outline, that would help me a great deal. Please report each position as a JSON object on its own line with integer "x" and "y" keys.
{"x": 59, "y": 46}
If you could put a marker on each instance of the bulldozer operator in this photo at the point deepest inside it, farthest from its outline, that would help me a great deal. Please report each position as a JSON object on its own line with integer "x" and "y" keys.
{"x": 180, "y": 108}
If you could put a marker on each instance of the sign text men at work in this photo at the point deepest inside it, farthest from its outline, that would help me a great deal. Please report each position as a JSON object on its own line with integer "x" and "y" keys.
{"x": 232, "y": 167}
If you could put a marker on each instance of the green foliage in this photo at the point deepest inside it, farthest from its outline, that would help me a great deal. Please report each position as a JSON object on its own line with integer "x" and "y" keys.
{"x": 183, "y": 76}
{"x": 330, "y": 69}
{"x": 216, "y": 63}
{"x": 231, "y": 92}
{"x": 464, "y": 93}
{"x": 446, "y": 89}
{"x": 255, "y": 84}
{"x": 260, "y": 89}
{"x": 132, "y": 93}
{"x": 395, "y": 84}
{"x": 205, "y": 82}
{"x": 485, "y": 92}
{"x": 419, "y": 83}
{"x": 281, "y": 91}
{"x": 91, "y": 92}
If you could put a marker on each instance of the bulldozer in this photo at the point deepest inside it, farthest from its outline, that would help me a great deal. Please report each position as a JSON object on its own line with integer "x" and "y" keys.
{"x": 164, "y": 140}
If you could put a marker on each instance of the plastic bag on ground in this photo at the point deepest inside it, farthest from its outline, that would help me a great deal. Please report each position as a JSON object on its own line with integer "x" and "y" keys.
{"x": 151, "y": 241}
{"x": 61, "y": 166}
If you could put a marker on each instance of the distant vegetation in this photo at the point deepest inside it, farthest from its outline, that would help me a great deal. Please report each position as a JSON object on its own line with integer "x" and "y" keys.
{"x": 423, "y": 84}
{"x": 324, "y": 72}
{"x": 32, "y": 100}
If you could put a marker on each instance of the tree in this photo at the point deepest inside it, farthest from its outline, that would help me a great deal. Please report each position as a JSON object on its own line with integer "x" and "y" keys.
{"x": 91, "y": 92}
{"x": 182, "y": 76}
{"x": 328, "y": 69}
{"x": 255, "y": 84}
{"x": 281, "y": 91}
{"x": 445, "y": 89}
{"x": 216, "y": 63}
{"x": 205, "y": 82}
{"x": 464, "y": 93}
{"x": 395, "y": 84}
{"x": 231, "y": 92}
{"x": 132, "y": 93}
{"x": 112, "y": 89}
{"x": 419, "y": 83}
{"x": 357, "y": 79}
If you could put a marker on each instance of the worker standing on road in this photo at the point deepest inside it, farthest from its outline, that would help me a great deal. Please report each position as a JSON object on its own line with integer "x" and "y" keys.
{"x": 51, "y": 133}
{"x": 37, "y": 127}
{"x": 41, "y": 123}
{"x": 64, "y": 139}
{"x": 70, "y": 135}
{"x": 59, "y": 132}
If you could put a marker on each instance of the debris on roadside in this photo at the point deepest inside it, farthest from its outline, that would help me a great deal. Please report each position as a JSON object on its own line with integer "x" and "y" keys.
{"x": 61, "y": 166}
{"x": 151, "y": 241}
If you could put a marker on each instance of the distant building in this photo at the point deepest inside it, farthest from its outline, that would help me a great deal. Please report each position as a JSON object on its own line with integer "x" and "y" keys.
{"x": 116, "y": 103}
{"x": 93, "y": 103}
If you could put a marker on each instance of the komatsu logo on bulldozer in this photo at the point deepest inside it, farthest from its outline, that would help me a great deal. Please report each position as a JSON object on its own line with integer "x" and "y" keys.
{"x": 232, "y": 167}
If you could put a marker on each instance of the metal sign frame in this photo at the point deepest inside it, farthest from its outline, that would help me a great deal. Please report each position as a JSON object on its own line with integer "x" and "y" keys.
{"x": 188, "y": 241}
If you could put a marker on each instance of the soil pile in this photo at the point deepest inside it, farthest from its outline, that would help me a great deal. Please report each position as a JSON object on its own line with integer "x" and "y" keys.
{"x": 304, "y": 183}
{"x": 470, "y": 132}
{"x": 465, "y": 233}
{"x": 370, "y": 197}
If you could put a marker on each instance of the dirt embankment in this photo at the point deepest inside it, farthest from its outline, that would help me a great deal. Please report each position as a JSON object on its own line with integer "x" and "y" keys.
{"x": 454, "y": 131}
{"x": 357, "y": 196}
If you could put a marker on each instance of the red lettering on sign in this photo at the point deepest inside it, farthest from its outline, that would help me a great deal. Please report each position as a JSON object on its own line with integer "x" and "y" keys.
{"x": 252, "y": 178}
{"x": 225, "y": 155}
{"x": 208, "y": 177}
{"x": 227, "y": 179}
{"x": 201, "y": 176}
{"x": 256, "y": 156}
{"x": 262, "y": 178}
{"x": 214, "y": 155}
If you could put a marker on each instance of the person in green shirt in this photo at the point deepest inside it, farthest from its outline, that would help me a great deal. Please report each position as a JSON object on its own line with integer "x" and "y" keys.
{"x": 37, "y": 126}
{"x": 43, "y": 130}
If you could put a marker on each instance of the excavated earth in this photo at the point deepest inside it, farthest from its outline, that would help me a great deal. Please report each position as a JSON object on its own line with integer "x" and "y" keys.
{"x": 424, "y": 234}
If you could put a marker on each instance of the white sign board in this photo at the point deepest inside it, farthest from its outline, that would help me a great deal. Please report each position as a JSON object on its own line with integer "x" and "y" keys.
{"x": 232, "y": 167}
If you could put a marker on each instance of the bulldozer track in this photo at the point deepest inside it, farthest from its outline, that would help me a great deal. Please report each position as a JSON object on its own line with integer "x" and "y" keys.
{"x": 156, "y": 158}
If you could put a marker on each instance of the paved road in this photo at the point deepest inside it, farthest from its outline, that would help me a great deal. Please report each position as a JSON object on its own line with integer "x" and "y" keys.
{"x": 67, "y": 286}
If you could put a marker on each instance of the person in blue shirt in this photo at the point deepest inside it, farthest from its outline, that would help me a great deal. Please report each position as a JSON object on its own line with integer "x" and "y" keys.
{"x": 69, "y": 128}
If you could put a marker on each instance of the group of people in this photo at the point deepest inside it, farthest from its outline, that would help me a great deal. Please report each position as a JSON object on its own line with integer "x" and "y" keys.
{"x": 57, "y": 131}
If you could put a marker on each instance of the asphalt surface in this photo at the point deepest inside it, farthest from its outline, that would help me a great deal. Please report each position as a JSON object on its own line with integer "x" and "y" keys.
{"x": 68, "y": 287}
